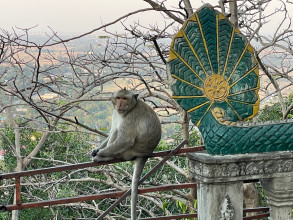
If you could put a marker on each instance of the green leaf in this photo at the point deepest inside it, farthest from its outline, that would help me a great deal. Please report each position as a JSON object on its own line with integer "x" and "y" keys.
{"x": 165, "y": 204}
{"x": 104, "y": 129}
{"x": 195, "y": 204}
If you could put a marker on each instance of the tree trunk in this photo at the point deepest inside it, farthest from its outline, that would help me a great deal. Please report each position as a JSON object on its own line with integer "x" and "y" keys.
{"x": 19, "y": 167}
{"x": 14, "y": 213}
{"x": 185, "y": 129}
{"x": 188, "y": 7}
{"x": 185, "y": 126}
{"x": 234, "y": 12}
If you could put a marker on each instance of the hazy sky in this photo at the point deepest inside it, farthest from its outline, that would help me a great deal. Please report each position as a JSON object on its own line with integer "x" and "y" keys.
{"x": 77, "y": 16}
{"x": 64, "y": 15}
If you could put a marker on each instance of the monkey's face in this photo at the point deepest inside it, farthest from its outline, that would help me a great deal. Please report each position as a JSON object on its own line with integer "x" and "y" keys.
{"x": 122, "y": 104}
{"x": 124, "y": 101}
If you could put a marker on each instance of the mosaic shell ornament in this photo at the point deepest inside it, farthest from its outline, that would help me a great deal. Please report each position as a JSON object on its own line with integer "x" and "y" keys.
{"x": 216, "y": 80}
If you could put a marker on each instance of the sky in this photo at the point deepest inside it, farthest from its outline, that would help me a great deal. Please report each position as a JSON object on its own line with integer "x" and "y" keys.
{"x": 64, "y": 15}
{"x": 79, "y": 16}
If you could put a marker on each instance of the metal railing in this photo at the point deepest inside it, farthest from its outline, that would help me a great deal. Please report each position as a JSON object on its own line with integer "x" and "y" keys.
{"x": 121, "y": 195}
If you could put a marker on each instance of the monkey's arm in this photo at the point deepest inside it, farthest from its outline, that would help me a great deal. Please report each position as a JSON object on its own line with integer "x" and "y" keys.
{"x": 121, "y": 143}
{"x": 103, "y": 145}
{"x": 112, "y": 136}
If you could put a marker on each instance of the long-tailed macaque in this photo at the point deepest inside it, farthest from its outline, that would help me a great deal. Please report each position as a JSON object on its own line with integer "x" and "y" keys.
{"x": 135, "y": 133}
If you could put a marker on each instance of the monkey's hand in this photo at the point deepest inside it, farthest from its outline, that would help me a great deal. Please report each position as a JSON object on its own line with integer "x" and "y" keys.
{"x": 101, "y": 155}
{"x": 98, "y": 158}
{"x": 95, "y": 151}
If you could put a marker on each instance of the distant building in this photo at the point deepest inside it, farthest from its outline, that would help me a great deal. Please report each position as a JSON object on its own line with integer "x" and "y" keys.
{"x": 49, "y": 96}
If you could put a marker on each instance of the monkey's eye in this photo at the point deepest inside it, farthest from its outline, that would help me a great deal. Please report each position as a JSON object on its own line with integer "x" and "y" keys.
{"x": 123, "y": 98}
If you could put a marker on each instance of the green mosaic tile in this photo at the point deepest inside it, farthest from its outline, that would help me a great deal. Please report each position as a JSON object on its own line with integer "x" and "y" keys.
{"x": 214, "y": 67}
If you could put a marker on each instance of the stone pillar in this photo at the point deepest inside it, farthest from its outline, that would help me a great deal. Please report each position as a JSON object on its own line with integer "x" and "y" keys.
{"x": 279, "y": 191}
{"x": 220, "y": 183}
{"x": 217, "y": 201}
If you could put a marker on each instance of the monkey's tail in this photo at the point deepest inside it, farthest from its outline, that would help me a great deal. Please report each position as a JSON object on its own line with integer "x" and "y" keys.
{"x": 138, "y": 168}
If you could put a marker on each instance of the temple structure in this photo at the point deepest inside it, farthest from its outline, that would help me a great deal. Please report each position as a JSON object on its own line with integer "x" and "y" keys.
{"x": 216, "y": 80}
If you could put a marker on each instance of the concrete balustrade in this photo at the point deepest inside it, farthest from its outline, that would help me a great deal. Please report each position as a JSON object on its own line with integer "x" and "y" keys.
{"x": 220, "y": 183}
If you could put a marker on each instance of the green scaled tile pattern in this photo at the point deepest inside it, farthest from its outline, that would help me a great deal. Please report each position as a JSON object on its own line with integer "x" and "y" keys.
{"x": 246, "y": 138}
{"x": 213, "y": 66}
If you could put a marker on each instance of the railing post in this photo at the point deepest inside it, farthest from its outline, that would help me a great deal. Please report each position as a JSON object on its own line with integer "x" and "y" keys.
{"x": 219, "y": 177}
{"x": 279, "y": 191}
{"x": 220, "y": 201}
{"x": 17, "y": 190}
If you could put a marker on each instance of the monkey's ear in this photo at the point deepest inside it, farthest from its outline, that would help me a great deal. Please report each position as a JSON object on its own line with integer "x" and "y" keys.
{"x": 135, "y": 96}
{"x": 113, "y": 100}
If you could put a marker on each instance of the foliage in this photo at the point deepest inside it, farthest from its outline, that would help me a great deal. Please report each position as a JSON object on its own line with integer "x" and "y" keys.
{"x": 60, "y": 147}
{"x": 262, "y": 195}
{"x": 194, "y": 136}
{"x": 183, "y": 208}
{"x": 273, "y": 111}
{"x": 64, "y": 147}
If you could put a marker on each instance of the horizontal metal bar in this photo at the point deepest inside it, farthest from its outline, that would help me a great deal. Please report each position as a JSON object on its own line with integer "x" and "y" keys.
{"x": 63, "y": 201}
{"x": 167, "y": 187}
{"x": 260, "y": 216}
{"x": 89, "y": 164}
{"x": 115, "y": 194}
{"x": 259, "y": 209}
{"x": 251, "y": 181}
{"x": 257, "y": 216}
{"x": 193, "y": 215}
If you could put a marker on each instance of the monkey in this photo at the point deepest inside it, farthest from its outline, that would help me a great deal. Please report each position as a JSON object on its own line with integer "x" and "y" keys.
{"x": 135, "y": 133}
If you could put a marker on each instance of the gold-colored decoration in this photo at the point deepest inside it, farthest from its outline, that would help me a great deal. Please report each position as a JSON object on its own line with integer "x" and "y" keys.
{"x": 216, "y": 87}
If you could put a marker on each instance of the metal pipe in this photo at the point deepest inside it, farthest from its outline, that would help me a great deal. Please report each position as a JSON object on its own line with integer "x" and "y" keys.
{"x": 88, "y": 164}
{"x": 115, "y": 194}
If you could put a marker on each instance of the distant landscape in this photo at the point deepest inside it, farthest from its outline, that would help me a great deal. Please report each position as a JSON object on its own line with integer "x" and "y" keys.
{"x": 98, "y": 115}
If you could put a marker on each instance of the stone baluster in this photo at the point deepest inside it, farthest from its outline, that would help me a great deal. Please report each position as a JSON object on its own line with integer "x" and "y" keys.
{"x": 279, "y": 191}
{"x": 220, "y": 183}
